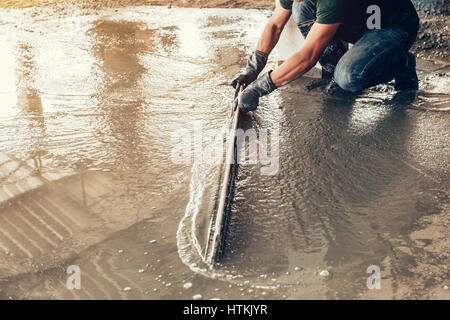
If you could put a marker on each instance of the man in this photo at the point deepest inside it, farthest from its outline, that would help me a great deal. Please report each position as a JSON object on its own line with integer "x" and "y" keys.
{"x": 381, "y": 31}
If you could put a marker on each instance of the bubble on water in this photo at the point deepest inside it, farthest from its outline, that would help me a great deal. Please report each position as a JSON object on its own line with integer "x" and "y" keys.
{"x": 187, "y": 285}
{"x": 197, "y": 296}
{"x": 324, "y": 273}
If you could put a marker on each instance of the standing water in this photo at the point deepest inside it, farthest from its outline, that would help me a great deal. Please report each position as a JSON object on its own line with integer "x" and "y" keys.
{"x": 91, "y": 103}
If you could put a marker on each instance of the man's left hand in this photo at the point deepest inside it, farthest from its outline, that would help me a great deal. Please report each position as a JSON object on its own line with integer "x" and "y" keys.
{"x": 248, "y": 99}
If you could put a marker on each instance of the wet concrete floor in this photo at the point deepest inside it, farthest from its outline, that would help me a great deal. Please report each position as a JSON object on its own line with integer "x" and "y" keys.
{"x": 90, "y": 102}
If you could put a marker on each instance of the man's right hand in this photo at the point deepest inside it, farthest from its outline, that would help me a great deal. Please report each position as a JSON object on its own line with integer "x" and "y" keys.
{"x": 255, "y": 65}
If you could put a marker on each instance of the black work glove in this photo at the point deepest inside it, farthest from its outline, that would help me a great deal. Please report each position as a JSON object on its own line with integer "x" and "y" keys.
{"x": 255, "y": 64}
{"x": 249, "y": 98}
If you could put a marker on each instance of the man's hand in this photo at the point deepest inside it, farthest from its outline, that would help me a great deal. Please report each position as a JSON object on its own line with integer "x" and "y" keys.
{"x": 255, "y": 64}
{"x": 249, "y": 98}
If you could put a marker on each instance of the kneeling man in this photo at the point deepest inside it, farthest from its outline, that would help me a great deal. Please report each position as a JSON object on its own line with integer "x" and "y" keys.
{"x": 381, "y": 31}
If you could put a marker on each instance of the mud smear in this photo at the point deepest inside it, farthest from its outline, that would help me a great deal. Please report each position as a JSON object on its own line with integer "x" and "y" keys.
{"x": 90, "y": 104}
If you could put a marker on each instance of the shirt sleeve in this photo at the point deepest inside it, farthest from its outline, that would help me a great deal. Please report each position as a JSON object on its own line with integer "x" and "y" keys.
{"x": 328, "y": 12}
{"x": 286, "y": 4}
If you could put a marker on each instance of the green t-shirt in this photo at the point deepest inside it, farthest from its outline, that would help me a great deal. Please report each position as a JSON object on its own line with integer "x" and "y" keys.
{"x": 393, "y": 13}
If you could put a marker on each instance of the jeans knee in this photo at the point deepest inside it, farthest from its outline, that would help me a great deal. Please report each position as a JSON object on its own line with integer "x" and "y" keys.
{"x": 348, "y": 79}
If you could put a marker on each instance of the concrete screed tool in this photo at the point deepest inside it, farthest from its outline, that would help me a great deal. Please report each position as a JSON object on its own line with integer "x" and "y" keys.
{"x": 220, "y": 218}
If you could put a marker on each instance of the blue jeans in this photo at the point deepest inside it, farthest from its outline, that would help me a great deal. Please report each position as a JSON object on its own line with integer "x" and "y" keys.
{"x": 376, "y": 57}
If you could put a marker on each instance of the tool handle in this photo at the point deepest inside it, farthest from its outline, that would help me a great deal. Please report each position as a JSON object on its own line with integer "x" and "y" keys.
{"x": 238, "y": 91}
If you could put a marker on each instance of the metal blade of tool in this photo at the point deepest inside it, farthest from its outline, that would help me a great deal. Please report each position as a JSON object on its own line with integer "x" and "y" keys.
{"x": 220, "y": 219}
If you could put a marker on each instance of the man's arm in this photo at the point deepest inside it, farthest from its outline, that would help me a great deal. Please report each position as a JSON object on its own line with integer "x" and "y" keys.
{"x": 266, "y": 43}
{"x": 273, "y": 29}
{"x": 317, "y": 40}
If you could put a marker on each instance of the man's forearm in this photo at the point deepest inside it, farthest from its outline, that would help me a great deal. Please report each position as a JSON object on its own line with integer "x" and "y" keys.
{"x": 269, "y": 38}
{"x": 297, "y": 65}
{"x": 302, "y": 61}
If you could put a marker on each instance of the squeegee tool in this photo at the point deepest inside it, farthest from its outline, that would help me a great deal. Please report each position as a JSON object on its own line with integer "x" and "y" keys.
{"x": 220, "y": 218}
